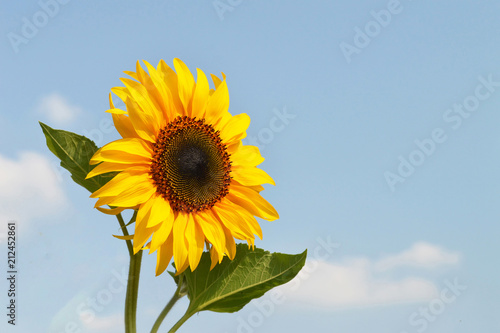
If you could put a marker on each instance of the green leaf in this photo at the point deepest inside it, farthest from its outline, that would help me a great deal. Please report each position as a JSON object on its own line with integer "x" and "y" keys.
{"x": 75, "y": 152}
{"x": 175, "y": 277}
{"x": 234, "y": 283}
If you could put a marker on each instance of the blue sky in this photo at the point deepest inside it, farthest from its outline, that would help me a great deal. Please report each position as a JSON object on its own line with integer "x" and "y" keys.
{"x": 378, "y": 120}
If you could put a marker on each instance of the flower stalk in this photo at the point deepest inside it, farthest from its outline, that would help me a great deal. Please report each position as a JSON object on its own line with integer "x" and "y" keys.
{"x": 132, "y": 292}
{"x": 180, "y": 322}
{"x": 133, "y": 280}
{"x": 179, "y": 293}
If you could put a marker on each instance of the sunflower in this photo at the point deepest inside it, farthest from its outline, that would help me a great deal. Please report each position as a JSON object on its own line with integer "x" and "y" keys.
{"x": 181, "y": 164}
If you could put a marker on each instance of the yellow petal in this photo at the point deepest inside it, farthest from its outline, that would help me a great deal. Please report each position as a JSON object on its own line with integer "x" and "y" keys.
{"x": 170, "y": 78}
{"x": 141, "y": 236}
{"x": 111, "y": 104}
{"x": 257, "y": 188}
{"x": 185, "y": 84}
{"x": 220, "y": 123}
{"x": 218, "y": 104}
{"x": 154, "y": 211}
{"x": 160, "y": 211}
{"x": 124, "y": 126}
{"x": 231, "y": 220}
{"x": 122, "y": 182}
{"x": 142, "y": 76}
{"x": 201, "y": 95}
{"x": 106, "y": 167}
{"x": 121, "y": 92}
{"x": 128, "y": 237}
{"x": 247, "y": 218}
{"x": 143, "y": 213}
{"x": 214, "y": 256}
{"x": 216, "y": 80}
{"x": 253, "y": 202}
{"x": 144, "y": 124}
{"x": 140, "y": 95}
{"x": 117, "y": 111}
{"x": 230, "y": 243}
{"x": 164, "y": 255}
{"x": 153, "y": 93}
{"x": 196, "y": 242}
{"x": 163, "y": 232}
{"x": 183, "y": 267}
{"x": 166, "y": 101}
{"x": 114, "y": 156}
{"x": 233, "y": 147}
{"x": 180, "y": 244}
{"x": 132, "y": 75}
{"x": 111, "y": 211}
{"x": 123, "y": 151}
{"x": 247, "y": 156}
{"x": 251, "y": 176}
{"x": 133, "y": 196}
{"x": 211, "y": 228}
{"x": 235, "y": 129}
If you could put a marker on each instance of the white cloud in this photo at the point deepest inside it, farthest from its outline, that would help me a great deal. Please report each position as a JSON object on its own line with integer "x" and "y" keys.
{"x": 421, "y": 254}
{"x": 58, "y": 109}
{"x": 82, "y": 316}
{"x": 359, "y": 282}
{"x": 108, "y": 324}
{"x": 29, "y": 187}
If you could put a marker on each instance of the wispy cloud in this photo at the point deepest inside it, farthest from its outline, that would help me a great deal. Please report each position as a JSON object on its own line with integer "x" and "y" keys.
{"x": 58, "y": 110}
{"x": 29, "y": 188}
{"x": 422, "y": 255}
{"x": 108, "y": 324}
{"x": 361, "y": 282}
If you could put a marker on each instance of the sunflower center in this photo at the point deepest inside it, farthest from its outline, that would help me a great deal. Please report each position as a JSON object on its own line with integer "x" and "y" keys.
{"x": 193, "y": 163}
{"x": 190, "y": 166}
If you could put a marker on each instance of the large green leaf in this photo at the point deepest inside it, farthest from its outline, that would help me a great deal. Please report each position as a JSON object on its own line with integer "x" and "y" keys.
{"x": 234, "y": 283}
{"x": 75, "y": 152}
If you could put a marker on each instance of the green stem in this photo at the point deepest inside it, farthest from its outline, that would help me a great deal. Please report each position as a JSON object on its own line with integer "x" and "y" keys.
{"x": 134, "y": 272}
{"x": 132, "y": 292}
{"x": 180, "y": 322}
{"x": 177, "y": 296}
